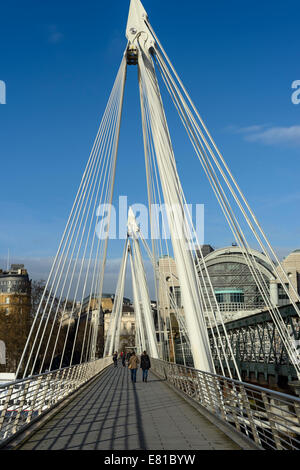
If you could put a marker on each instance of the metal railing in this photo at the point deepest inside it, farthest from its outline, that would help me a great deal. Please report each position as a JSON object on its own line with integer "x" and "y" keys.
{"x": 25, "y": 400}
{"x": 271, "y": 419}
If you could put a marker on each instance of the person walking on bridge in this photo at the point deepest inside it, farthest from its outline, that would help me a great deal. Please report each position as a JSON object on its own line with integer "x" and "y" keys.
{"x": 115, "y": 359}
{"x": 133, "y": 365}
{"x": 123, "y": 359}
{"x": 145, "y": 365}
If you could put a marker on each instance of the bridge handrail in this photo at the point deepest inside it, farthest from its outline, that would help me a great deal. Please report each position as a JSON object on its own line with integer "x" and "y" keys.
{"x": 24, "y": 400}
{"x": 270, "y": 418}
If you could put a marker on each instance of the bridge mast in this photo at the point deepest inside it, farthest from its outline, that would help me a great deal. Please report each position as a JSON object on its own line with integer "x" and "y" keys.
{"x": 141, "y": 43}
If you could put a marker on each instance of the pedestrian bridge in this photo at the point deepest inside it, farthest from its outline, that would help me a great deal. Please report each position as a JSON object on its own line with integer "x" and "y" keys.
{"x": 96, "y": 406}
{"x": 112, "y": 413}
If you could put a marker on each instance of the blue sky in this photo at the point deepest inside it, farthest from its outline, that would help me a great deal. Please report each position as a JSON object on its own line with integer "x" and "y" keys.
{"x": 59, "y": 60}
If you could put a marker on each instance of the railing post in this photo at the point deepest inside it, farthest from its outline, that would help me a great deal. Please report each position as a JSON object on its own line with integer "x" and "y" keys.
{"x": 46, "y": 387}
{"x": 22, "y": 401}
{"x": 69, "y": 380}
{"x": 35, "y": 394}
{"x": 207, "y": 386}
{"x": 246, "y": 404}
{"x": 272, "y": 421}
{"x": 5, "y": 406}
{"x": 191, "y": 384}
{"x": 233, "y": 404}
{"x": 199, "y": 391}
{"x": 219, "y": 391}
{"x": 63, "y": 384}
{"x": 76, "y": 376}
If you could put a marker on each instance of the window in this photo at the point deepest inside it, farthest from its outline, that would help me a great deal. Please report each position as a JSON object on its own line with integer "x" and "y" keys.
{"x": 281, "y": 292}
{"x": 175, "y": 295}
{"x": 7, "y": 300}
{"x": 230, "y": 296}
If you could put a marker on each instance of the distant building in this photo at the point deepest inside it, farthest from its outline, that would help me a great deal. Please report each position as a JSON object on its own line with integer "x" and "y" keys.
{"x": 127, "y": 331}
{"x": 107, "y": 301}
{"x": 234, "y": 286}
{"x": 15, "y": 308}
{"x": 15, "y": 290}
{"x": 205, "y": 249}
{"x": 291, "y": 265}
{"x": 169, "y": 301}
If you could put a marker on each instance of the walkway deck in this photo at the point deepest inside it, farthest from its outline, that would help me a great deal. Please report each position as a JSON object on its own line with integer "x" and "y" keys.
{"x": 114, "y": 414}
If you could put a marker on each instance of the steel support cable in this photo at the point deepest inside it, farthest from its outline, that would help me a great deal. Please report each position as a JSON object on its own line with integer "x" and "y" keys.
{"x": 145, "y": 297}
{"x": 179, "y": 316}
{"x": 239, "y": 191}
{"x": 144, "y": 332}
{"x": 113, "y": 317}
{"x": 169, "y": 319}
{"x": 78, "y": 196}
{"x": 96, "y": 173}
{"x": 120, "y": 306}
{"x": 115, "y": 152}
{"x": 93, "y": 184}
{"x": 203, "y": 164}
{"x": 204, "y": 283}
{"x": 99, "y": 202}
{"x": 147, "y": 132}
{"x": 68, "y": 228}
{"x": 255, "y": 271}
{"x": 147, "y": 152}
{"x": 263, "y": 282}
{"x": 100, "y": 245}
{"x": 108, "y": 197}
{"x": 141, "y": 295}
{"x": 275, "y": 320}
{"x": 211, "y": 139}
{"x": 195, "y": 110}
{"x": 107, "y": 161}
{"x": 93, "y": 284}
{"x": 116, "y": 314}
{"x": 152, "y": 162}
{"x": 162, "y": 280}
{"x": 217, "y": 328}
{"x": 171, "y": 186}
{"x": 136, "y": 303}
{"x": 99, "y": 163}
{"x": 84, "y": 288}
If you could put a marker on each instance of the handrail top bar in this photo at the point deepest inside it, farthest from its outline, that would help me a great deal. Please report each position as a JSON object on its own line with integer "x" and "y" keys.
{"x": 245, "y": 384}
{"x": 34, "y": 377}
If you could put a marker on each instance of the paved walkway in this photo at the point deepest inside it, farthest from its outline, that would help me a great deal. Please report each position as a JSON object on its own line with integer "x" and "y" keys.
{"x": 114, "y": 414}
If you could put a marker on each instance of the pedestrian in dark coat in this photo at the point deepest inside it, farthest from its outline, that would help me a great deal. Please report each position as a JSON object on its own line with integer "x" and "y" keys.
{"x": 145, "y": 365}
{"x": 123, "y": 359}
{"x": 115, "y": 358}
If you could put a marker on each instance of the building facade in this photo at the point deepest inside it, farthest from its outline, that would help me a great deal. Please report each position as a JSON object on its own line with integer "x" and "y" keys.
{"x": 127, "y": 330}
{"x": 15, "y": 309}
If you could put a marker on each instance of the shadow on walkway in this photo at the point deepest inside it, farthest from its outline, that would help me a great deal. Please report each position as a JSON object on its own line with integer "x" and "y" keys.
{"x": 113, "y": 413}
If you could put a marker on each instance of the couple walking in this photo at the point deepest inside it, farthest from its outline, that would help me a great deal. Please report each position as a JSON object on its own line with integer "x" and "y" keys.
{"x": 133, "y": 365}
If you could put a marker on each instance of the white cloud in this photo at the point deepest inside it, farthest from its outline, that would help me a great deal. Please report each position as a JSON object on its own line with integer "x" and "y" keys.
{"x": 277, "y": 135}
{"x": 269, "y": 135}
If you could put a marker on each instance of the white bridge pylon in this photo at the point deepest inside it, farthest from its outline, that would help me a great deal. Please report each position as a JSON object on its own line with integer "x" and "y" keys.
{"x": 145, "y": 329}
